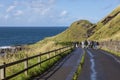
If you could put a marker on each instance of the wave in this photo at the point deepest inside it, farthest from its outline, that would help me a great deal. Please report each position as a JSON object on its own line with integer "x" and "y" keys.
{"x": 6, "y": 47}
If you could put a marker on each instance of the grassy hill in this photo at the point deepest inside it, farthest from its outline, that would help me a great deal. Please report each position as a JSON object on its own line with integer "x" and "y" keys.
{"x": 78, "y": 31}
{"x": 108, "y": 28}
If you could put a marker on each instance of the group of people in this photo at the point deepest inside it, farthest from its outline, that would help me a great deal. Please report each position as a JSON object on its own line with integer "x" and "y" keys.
{"x": 87, "y": 44}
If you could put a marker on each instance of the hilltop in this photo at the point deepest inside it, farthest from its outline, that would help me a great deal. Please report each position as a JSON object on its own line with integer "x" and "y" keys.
{"x": 106, "y": 29}
{"x": 78, "y": 31}
{"x": 109, "y": 27}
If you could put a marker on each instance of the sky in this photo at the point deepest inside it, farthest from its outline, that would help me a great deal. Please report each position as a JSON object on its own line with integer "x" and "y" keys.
{"x": 53, "y": 12}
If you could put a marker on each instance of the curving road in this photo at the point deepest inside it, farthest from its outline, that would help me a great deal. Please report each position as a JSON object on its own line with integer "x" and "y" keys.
{"x": 100, "y": 65}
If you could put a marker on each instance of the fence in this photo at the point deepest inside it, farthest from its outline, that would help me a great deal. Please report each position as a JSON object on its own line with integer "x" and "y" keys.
{"x": 111, "y": 45}
{"x": 54, "y": 54}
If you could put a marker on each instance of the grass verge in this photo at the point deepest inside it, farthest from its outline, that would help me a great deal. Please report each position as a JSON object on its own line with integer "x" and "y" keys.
{"x": 111, "y": 51}
{"x": 75, "y": 76}
{"x": 36, "y": 70}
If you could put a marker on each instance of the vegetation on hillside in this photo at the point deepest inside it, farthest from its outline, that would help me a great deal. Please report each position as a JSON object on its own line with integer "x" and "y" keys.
{"x": 106, "y": 29}
{"x": 78, "y": 31}
{"x": 34, "y": 49}
{"x": 109, "y": 27}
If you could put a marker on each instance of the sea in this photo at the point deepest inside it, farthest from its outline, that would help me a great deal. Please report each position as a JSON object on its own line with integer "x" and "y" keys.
{"x": 12, "y": 36}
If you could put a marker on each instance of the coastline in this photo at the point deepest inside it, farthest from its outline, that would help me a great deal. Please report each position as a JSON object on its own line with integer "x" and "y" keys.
{"x": 14, "y": 48}
{"x": 11, "y": 49}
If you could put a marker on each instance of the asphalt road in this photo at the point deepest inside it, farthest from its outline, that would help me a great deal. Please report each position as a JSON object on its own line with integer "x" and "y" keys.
{"x": 65, "y": 69}
{"x": 100, "y": 65}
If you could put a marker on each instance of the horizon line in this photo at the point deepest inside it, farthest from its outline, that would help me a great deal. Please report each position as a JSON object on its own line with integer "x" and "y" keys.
{"x": 34, "y": 26}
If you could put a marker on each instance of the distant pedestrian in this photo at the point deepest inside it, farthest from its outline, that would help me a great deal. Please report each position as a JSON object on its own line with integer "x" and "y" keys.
{"x": 77, "y": 44}
{"x": 89, "y": 43}
{"x": 74, "y": 44}
{"x": 86, "y": 43}
{"x": 96, "y": 45}
{"x": 82, "y": 44}
{"x": 92, "y": 44}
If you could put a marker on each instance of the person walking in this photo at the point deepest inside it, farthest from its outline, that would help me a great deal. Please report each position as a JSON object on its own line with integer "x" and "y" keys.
{"x": 86, "y": 43}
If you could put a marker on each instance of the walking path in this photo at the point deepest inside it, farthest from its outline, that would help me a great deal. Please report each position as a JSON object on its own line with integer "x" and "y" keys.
{"x": 64, "y": 70}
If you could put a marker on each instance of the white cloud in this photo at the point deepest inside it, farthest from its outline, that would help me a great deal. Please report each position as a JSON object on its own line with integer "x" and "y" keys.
{"x": 10, "y": 8}
{"x": 34, "y": 8}
{"x": 51, "y": 1}
{"x": 63, "y": 13}
{"x": 18, "y": 12}
{"x": 33, "y": 11}
{"x": 41, "y": 7}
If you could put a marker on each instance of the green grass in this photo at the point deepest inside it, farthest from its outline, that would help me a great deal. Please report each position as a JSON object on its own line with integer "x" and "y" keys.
{"x": 75, "y": 77}
{"x": 36, "y": 70}
{"x": 110, "y": 30}
{"x": 83, "y": 29}
{"x": 112, "y": 52}
{"x": 30, "y": 50}
{"x": 76, "y": 32}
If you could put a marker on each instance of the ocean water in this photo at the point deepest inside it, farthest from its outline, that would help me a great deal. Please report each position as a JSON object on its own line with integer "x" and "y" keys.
{"x": 26, "y": 35}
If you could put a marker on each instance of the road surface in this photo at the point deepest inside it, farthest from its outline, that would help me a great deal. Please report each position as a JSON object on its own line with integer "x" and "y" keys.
{"x": 65, "y": 69}
{"x": 100, "y": 65}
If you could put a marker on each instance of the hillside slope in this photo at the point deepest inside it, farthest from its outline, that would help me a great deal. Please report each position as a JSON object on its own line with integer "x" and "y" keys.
{"x": 78, "y": 31}
{"x": 108, "y": 28}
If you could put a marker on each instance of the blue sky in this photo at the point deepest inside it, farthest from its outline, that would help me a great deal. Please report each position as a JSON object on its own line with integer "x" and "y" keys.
{"x": 53, "y": 12}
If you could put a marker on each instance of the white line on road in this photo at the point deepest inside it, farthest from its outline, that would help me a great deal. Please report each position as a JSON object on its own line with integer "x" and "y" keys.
{"x": 94, "y": 73}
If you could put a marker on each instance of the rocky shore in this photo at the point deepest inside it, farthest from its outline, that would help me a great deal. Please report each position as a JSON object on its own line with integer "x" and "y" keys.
{"x": 11, "y": 49}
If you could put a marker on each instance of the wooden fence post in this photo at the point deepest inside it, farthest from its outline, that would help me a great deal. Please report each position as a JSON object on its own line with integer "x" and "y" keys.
{"x": 60, "y": 51}
{"x": 39, "y": 59}
{"x": 26, "y": 66}
{"x": 3, "y": 71}
{"x": 55, "y": 53}
{"x": 49, "y": 57}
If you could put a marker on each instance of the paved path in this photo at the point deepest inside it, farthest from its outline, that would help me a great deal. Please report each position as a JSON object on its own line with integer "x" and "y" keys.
{"x": 100, "y": 65}
{"x": 65, "y": 69}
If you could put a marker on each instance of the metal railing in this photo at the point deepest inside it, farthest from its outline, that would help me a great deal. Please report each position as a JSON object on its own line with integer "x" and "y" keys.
{"x": 54, "y": 53}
